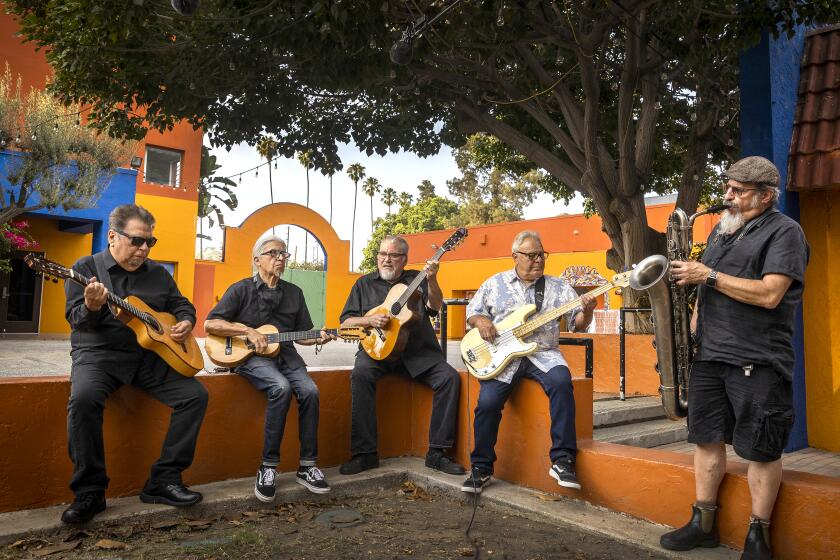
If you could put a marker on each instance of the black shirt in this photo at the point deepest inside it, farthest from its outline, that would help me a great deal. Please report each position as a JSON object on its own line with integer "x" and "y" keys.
{"x": 422, "y": 351}
{"x": 251, "y": 302}
{"x": 96, "y": 333}
{"x": 739, "y": 333}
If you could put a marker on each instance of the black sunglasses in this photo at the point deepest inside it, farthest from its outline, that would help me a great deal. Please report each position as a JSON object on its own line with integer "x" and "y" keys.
{"x": 138, "y": 241}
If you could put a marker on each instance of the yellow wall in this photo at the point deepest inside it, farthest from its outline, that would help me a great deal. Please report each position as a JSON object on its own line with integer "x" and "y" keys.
{"x": 175, "y": 230}
{"x": 821, "y": 317}
{"x": 65, "y": 249}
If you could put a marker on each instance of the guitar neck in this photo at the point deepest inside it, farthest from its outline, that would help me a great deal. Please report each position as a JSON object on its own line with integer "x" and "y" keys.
{"x": 115, "y": 300}
{"x": 297, "y": 335}
{"x": 544, "y": 318}
{"x": 412, "y": 287}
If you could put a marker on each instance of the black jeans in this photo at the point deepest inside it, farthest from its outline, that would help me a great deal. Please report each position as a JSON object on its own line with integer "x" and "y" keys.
{"x": 90, "y": 386}
{"x": 442, "y": 378}
{"x": 557, "y": 384}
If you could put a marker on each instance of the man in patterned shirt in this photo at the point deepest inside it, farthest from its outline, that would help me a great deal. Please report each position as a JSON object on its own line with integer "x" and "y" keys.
{"x": 497, "y": 297}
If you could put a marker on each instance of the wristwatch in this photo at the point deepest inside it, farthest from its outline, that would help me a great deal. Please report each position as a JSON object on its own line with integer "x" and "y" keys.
{"x": 711, "y": 279}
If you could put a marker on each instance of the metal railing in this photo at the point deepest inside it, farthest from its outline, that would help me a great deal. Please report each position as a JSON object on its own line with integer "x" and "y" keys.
{"x": 621, "y": 371}
{"x": 588, "y": 343}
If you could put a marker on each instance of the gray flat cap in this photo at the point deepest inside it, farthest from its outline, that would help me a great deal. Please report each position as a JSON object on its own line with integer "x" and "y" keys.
{"x": 754, "y": 169}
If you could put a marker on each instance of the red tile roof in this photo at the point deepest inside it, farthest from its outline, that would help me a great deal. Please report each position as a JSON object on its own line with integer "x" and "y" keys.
{"x": 815, "y": 146}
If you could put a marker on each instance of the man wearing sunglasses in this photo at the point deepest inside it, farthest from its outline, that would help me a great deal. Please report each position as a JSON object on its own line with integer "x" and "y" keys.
{"x": 266, "y": 299}
{"x": 498, "y": 296}
{"x": 750, "y": 283}
{"x": 106, "y": 356}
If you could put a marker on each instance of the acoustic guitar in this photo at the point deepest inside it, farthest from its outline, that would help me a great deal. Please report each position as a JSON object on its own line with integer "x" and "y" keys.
{"x": 151, "y": 327}
{"x": 381, "y": 342}
{"x": 230, "y": 351}
{"x": 486, "y": 360}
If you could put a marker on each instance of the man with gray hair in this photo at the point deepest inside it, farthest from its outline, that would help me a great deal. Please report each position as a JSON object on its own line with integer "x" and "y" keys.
{"x": 498, "y": 296}
{"x": 266, "y": 299}
{"x": 750, "y": 283}
{"x": 106, "y": 356}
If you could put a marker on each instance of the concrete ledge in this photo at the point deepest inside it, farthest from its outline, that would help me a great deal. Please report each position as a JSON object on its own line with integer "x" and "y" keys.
{"x": 239, "y": 494}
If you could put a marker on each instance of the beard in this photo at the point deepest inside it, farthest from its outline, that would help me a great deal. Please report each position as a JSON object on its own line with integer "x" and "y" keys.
{"x": 733, "y": 219}
{"x": 388, "y": 274}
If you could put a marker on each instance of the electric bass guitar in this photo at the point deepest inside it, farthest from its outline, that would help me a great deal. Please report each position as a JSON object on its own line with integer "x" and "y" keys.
{"x": 230, "y": 351}
{"x": 381, "y": 342}
{"x": 486, "y": 360}
{"x": 151, "y": 327}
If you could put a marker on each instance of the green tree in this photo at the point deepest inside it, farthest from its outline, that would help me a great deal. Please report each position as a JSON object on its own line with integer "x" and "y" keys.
{"x": 370, "y": 187}
{"x": 389, "y": 197}
{"x": 426, "y": 189}
{"x": 488, "y": 194}
{"x": 429, "y": 214}
{"x": 356, "y": 172}
{"x": 62, "y": 164}
{"x": 305, "y": 159}
{"x": 611, "y": 99}
{"x": 405, "y": 199}
{"x": 267, "y": 148}
{"x": 211, "y": 187}
{"x": 329, "y": 170}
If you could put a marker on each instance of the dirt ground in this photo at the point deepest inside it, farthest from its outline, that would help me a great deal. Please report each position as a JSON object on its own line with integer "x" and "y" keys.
{"x": 403, "y": 522}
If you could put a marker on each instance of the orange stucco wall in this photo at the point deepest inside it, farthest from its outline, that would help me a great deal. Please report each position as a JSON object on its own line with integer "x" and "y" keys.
{"x": 239, "y": 242}
{"x": 818, "y": 216}
{"x": 654, "y": 485}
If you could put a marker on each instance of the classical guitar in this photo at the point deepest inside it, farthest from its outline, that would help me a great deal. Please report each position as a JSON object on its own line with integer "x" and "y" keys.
{"x": 486, "y": 360}
{"x": 381, "y": 342}
{"x": 230, "y": 351}
{"x": 151, "y": 327}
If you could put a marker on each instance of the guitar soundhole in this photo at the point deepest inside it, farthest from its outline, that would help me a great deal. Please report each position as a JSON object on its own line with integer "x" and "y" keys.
{"x": 396, "y": 308}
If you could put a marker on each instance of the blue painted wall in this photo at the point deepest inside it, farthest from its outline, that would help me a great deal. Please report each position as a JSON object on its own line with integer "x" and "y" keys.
{"x": 769, "y": 84}
{"x": 120, "y": 190}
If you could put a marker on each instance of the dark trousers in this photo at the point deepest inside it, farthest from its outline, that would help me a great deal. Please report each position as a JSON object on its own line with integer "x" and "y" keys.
{"x": 557, "y": 384}
{"x": 442, "y": 378}
{"x": 278, "y": 381}
{"x": 90, "y": 386}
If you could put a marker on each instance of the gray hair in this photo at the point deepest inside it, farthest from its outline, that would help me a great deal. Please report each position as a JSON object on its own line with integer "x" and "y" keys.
{"x": 776, "y": 193}
{"x": 522, "y": 236}
{"x": 260, "y": 245}
{"x": 121, "y": 215}
{"x": 398, "y": 240}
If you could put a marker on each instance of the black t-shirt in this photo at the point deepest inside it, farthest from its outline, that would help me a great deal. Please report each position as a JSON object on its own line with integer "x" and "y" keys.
{"x": 422, "y": 351}
{"x": 251, "y": 302}
{"x": 738, "y": 333}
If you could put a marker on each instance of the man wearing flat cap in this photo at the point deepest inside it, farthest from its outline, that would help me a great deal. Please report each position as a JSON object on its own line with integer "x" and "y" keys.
{"x": 750, "y": 284}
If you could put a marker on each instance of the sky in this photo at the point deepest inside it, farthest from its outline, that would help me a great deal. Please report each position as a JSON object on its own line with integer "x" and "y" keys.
{"x": 402, "y": 172}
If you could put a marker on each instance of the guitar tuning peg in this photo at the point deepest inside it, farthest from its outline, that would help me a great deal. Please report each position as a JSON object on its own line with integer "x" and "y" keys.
{"x": 435, "y": 247}
{"x": 54, "y": 280}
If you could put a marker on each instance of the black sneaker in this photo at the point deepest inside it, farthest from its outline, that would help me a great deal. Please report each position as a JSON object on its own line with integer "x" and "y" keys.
{"x": 265, "y": 485}
{"x": 359, "y": 463}
{"x": 435, "y": 459}
{"x": 84, "y": 507}
{"x": 477, "y": 480}
{"x": 312, "y": 479}
{"x": 563, "y": 471}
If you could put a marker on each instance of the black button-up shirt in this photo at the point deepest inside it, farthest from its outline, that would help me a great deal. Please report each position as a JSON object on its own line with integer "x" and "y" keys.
{"x": 739, "y": 333}
{"x": 422, "y": 351}
{"x": 98, "y": 334}
{"x": 251, "y": 302}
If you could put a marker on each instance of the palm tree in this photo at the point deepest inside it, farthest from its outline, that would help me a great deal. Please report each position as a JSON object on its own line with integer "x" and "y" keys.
{"x": 405, "y": 199}
{"x": 370, "y": 187}
{"x": 305, "y": 159}
{"x": 329, "y": 170}
{"x": 356, "y": 172}
{"x": 267, "y": 148}
{"x": 389, "y": 197}
{"x": 426, "y": 189}
{"x": 206, "y": 186}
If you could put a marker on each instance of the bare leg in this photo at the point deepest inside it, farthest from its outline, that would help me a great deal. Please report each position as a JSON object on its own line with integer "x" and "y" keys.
{"x": 709, "y": 468}
{"x": 764, "y": 480}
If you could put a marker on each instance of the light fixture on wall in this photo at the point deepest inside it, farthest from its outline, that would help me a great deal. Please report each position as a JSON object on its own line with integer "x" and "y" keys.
{"x": 136, "y": 162}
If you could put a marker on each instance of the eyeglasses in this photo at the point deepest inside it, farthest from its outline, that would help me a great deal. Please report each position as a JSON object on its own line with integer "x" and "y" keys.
{"x": 737, "y": 191}
{"x": 276, "y": 254}
{"x": 394, "y": 256}
{"x": 534, "y": 256}
{"x": 138, "y": 241}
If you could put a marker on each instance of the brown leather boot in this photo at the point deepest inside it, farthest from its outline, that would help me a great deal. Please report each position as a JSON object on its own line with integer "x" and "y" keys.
{"x": 701, "y": 530}
{"x": 757, "y": 543}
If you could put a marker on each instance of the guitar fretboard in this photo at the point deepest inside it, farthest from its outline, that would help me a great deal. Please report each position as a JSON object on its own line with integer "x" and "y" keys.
{"x": 117, "y": 301}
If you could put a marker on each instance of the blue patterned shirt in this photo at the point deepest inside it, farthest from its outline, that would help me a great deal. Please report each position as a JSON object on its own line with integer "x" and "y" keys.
{"x": 505, "y": 292}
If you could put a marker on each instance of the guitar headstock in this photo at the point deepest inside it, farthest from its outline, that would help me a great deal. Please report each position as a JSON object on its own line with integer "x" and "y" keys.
{"x": 621, "y": 280}
{"x": 455, "y": 239}
{"x": 48, "y": 268}
{"x": 352, "y": 333}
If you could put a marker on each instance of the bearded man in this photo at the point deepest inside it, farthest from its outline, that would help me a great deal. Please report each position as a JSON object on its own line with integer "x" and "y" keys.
{"x": 750, "y": 283}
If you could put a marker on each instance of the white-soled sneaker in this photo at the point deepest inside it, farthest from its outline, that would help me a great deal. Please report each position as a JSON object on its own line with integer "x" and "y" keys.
{"x": 564, "y": 473}
{"x": 477, "y": 480}
{"x": 265, "y": 485}
{"x": 311, "y": 478}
